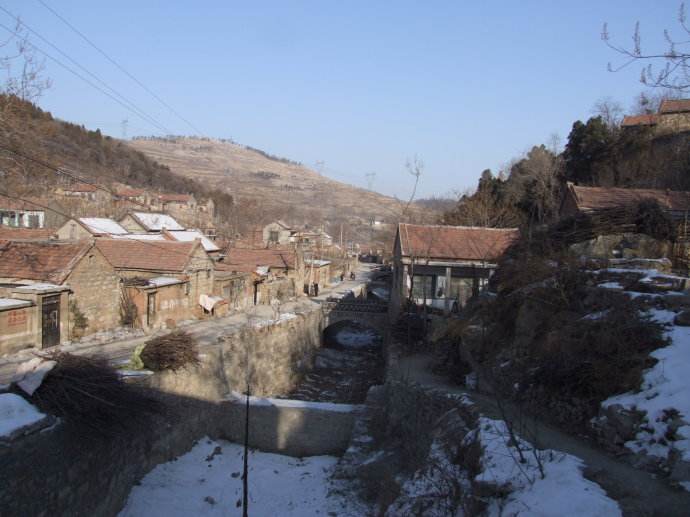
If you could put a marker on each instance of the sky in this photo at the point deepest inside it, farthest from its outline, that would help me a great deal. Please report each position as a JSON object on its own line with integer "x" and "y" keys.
{"x": 362, "y": 87}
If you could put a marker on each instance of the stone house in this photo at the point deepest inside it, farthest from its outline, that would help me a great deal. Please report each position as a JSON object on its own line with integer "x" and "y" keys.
{"x": 441, "y": 267}
{"x": 83, "y": 191}
{"x": 21, "y": 214}
{"x": 155, "y": 222}
{"x": 190, "y": 235}
{"x": 317, "y": 272}
{"x": 278, "y": 233}
{"x": 138, "y": 262}
{"x": 673, "y": 116}
{"x": 133, "y": 195}
{"x": 235, "y": 287}
{"x": 25, "y": 234}
{"x": 278, "y": 274}
{"x": 89, "y": 227}
{"x": 94, "y": 286}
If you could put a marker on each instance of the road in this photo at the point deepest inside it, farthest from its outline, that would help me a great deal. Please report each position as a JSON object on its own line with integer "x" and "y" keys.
{"x": 206, "y": 332}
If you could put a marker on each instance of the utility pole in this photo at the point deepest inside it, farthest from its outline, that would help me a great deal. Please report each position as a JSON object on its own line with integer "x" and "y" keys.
{"x": 124, "y": 128}
{"x": 370, "y": 179}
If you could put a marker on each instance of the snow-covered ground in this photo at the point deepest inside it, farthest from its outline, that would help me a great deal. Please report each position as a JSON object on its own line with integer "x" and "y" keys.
{"x": 562, "y": 491}
{"x": 665, "y": 387}
{"x": 15, "y": 413}
{"x": 208, "y": 481}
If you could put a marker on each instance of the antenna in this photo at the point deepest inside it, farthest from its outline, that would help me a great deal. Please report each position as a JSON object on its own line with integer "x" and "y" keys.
{"x": 124, "y": 128}
{"x": 371, "y": 176}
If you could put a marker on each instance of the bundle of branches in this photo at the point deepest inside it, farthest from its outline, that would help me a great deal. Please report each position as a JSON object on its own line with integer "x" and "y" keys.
{"x": 170, "y": 352}
{"x": 89, "y": 393}
{"x": 135, "y": 281}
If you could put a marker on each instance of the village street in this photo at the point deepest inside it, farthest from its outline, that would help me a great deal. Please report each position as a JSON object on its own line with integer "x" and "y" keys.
{"x": 206, "y": 332}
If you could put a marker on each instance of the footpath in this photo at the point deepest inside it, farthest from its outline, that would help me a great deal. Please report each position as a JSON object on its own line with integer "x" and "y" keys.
{"x": 638, "y": 493}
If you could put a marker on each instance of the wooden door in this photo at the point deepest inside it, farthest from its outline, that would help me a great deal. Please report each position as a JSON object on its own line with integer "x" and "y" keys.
{"x": 50, "y": 321}
{"x": 150, "y": 308}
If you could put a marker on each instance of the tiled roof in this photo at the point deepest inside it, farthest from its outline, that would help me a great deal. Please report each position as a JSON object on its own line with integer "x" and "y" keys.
{"x": 640, "y": 120}
{"x": 146, "y": 256}
{"x": 130, "y": 192}
{"x": 22, "y": 234}
{"x": 102, "y": 225}
{"x": 597, "y": 198}
{"x": 458, "y": 243}
{"x": 674, "y": 106}
{"x": 178, "y": 198}
{"x": 190, "y": 236}
{"x": 17, "y": 204}
{"x": 242, "y": 259}
{"x": 40, "y": 260}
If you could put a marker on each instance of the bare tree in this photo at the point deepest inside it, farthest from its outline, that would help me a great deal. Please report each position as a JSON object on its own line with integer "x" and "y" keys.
{"x": 610, "y": 111}
{"x": 672, "y": 70}
{"x": 24, "y": 71}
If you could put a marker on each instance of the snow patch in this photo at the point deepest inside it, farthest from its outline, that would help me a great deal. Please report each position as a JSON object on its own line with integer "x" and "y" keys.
{"x": 290, "y": 403}
{"x": 15, "y": 413}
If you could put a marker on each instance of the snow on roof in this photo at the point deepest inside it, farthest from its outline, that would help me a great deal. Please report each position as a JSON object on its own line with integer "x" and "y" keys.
{"x": 102, "y": 225}
{"x": 15, "y": 413}
{"x": 140, "y": 237}
{"x": 40, "y": 287}
{"x": 191, "y": 235}
{"x": 317, "y": 263}
{"x": 12, "y": 303}
{"x": 158, "y": 222}
{"x": 161, "y": 281}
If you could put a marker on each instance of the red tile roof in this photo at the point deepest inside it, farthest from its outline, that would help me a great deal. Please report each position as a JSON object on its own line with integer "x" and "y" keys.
{"x": 17, "y": 204}
{"x": 43, "y": 261}
{"x": 247, "y": 260}
{"x": 167, "y": 256}
{"x": 640, "y": 120}
{"x": 457, "y": 243}
{"x": 674, "y": 106}
{"x": 176, "y": 198}
{"x": 19, "y": 234}
{"x": 597, "y": 198}
{"x": 130, "y": 192}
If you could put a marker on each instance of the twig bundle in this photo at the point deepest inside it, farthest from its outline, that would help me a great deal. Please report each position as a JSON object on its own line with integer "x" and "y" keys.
{"x": 170, "y": 352}
{"x": 88, "y": 392}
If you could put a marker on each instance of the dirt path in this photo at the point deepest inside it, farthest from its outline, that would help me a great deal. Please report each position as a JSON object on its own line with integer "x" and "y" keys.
{"x": 638, "y": 493}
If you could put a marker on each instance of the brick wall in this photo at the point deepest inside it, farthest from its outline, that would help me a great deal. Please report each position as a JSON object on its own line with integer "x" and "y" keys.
{"x": 96, "y": 291}
{"x": 18, "y": 329}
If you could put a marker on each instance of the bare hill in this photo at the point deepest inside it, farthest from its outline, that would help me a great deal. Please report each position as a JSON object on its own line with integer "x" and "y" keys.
{"x": 282, "y": 188}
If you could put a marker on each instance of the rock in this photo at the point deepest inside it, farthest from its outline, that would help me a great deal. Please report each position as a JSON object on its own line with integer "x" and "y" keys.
{"x": 625, "y": 245}
{"x": 682, "y": 319}
{"x": 617, "y": 424}
{"x": 677, "y": 301}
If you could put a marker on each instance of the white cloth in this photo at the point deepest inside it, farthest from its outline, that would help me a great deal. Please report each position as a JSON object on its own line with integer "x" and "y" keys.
{"x": 209, "y": 302}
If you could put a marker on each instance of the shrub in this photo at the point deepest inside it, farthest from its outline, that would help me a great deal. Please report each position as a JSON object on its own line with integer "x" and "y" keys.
{"x": 170, "y": 352}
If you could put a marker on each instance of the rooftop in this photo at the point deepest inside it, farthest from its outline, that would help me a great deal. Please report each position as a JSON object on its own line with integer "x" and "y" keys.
{"x": 25, "y": 234}
{"x": 247, "y": 260}
{"x": 102, "y": 225}
{"x": 157, "y": 222}
{"x": 674, "y": 106}
{"x": 45, "y": 261}
{"x": 146, "y": 256}
{"x": 597, "y": 198}
{"x": 190, "y": 236}
{"x": 455, "y": 243}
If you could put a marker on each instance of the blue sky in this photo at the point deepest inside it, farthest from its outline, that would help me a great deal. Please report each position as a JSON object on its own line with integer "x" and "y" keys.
{"x": 361, "y": 86}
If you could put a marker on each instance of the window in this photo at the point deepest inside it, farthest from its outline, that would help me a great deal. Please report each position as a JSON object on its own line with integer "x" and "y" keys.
{"x": 34, "y": 221}
{"x": 422, "y": 287}
{"x": 273, "y": 236}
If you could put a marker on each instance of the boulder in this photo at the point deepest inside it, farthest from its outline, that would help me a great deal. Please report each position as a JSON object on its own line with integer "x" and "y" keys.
{"x": 623, "y": 245}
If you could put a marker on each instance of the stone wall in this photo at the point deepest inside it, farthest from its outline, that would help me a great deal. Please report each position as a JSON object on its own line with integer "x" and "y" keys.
{"x": 64, "y": 472}
{"x": 18, "y": 329}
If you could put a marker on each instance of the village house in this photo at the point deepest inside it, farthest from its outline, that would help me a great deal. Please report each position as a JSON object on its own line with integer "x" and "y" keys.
{"x": 673, "y": 116}
{"x": 8, "y": 233}
{"x": 93, "y": 285}
{"x": 142, "y": 222}
{"x": 278, "y": 274}
{"x": 165, "y": 281}
{"x": 235, "y": 287}
{"x": 84, "y": 191}
{"x": 443, "y": 266}
{"x": 278, "y": 233}
{"x": 88, "y": 227}
{"x": 317, "y": 272}
{"x": 21, "y": 214}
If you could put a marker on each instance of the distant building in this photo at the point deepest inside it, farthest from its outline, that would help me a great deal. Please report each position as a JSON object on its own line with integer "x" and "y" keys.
{"x": 278, "y": 233}
{"x": 83, "y": 191}
{"x": 21, "y": 214}
{"x": 87, "y": 227}
{"x": 443, "y": 266}
{"x": 673, "y": 117}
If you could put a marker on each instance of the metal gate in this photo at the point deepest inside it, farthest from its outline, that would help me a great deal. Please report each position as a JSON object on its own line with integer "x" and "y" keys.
{"x": 50, "y": 321}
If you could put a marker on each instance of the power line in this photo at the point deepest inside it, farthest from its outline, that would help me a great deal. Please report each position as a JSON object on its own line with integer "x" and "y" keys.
{"x": 132, "y": 106}
{"x": 121, "y": 68}
{"x": 90, "y": 83}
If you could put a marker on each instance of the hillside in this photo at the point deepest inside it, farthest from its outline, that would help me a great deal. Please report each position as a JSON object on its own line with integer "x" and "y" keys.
{"x": 281, "y": 188}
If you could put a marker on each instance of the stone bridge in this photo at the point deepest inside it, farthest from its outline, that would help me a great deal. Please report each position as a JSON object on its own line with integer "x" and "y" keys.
{"x": 366, "y": 312}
